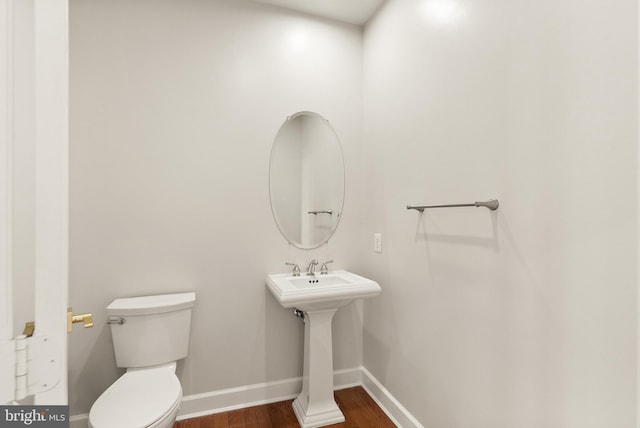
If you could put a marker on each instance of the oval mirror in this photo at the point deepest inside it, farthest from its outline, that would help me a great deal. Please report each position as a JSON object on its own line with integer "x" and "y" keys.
{"x": 306, "y": 180}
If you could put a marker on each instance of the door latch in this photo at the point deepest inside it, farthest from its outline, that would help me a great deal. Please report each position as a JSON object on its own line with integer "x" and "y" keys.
{"x": 86, "y": 319}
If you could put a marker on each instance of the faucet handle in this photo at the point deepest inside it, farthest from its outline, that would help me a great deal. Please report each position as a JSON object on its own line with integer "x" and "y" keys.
{"x": 324, "y": 269}
{"x": 296, "y": 268}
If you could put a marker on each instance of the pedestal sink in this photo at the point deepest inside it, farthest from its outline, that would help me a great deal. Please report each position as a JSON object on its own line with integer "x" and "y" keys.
{"x": 319, "y": 297}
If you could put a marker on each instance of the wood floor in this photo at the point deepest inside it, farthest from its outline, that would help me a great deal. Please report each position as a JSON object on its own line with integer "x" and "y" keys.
{"x": 360, "y": 411}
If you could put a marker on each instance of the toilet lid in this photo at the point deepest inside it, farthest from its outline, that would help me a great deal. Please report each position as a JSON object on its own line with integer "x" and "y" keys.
{"x": 137, "y": 399}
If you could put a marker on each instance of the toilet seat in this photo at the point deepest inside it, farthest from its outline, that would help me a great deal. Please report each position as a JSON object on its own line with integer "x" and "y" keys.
{"x": 138, "y": 399}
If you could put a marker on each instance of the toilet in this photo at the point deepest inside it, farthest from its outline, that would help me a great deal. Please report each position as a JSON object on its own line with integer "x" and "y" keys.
{"x": 150, "y": 334}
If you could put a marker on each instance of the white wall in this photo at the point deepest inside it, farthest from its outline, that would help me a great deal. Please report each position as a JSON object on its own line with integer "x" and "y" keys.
{"x": 524, "y": 317}
{"x": 174, "y": 106}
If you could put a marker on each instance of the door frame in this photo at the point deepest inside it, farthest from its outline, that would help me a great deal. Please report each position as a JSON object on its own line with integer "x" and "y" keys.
{"x": 47, "y": 376}
{"x": 52, "y": 186}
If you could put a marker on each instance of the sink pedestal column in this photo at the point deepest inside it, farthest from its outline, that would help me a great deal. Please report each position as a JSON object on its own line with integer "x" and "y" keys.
{"x": 315, "y": 406}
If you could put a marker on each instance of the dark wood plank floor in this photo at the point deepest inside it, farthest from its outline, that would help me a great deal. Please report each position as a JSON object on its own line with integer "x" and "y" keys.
{"x": 360, "y": 411}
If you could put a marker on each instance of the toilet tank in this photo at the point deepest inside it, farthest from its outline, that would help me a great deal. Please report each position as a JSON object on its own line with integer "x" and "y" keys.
{"x": 150, "y": 330}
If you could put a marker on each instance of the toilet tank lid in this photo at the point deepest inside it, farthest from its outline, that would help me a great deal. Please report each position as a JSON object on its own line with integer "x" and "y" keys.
{"x": 146, "y": 305}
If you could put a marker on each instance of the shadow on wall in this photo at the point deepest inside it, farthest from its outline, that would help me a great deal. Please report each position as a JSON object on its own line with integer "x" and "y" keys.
{"x": 283, "y": 333}
{"x": 426, "y": 223}
{"x": 383, "y": 350}
{"x": 99, "y": 370}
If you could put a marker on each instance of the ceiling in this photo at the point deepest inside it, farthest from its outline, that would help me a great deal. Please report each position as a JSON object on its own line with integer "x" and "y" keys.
{"x": 355, "y": 12}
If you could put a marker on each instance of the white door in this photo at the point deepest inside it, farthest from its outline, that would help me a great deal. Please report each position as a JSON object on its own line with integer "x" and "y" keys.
{"x": 44, "y": 115}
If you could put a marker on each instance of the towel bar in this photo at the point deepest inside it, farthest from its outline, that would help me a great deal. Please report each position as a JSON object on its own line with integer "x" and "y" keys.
{"x": 492, "y": 204}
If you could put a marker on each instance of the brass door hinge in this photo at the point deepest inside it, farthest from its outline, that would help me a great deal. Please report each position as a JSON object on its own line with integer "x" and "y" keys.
{"x": 29, "y": 328}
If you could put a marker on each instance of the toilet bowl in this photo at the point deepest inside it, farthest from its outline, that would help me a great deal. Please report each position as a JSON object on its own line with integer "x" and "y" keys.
{"x": 139, "y": 398}
{"x": 149, "y": 335}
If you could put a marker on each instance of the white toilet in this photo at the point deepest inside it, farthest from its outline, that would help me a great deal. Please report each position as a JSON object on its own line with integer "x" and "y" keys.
{"x": 150, "y": 334}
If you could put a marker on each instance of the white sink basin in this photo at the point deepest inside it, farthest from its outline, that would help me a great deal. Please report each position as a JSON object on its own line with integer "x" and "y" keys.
{"x": 320, "y": 292}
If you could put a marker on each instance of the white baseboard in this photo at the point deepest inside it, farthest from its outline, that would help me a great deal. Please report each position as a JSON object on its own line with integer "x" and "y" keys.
{"x": 387, "y": 402}
{"x": 270, "y": 392}
{"x": 79, "y": 421}
{"x": 257, "y": 394}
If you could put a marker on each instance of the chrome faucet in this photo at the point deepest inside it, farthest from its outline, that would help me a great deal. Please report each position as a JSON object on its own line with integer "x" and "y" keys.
{"x": 312, "y": 267}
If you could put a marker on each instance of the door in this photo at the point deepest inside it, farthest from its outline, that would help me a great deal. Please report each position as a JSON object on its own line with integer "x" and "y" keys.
{"x": 34, "y": 112}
